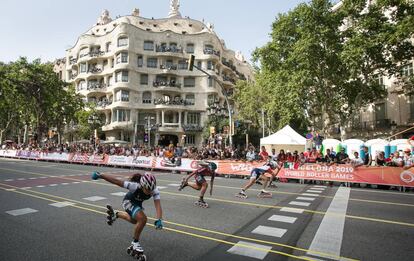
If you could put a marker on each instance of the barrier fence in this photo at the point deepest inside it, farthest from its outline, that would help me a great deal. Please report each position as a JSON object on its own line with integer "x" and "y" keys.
{"x": 391, "y": 176}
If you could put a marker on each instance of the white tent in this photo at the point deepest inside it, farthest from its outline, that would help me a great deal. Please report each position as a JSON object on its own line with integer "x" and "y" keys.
{"x": 286, "y": 139}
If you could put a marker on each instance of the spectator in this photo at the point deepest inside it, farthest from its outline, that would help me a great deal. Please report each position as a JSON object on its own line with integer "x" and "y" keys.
{"x": 329, "y": 157}
{"x": 408, "y": 159}
{"x": 396, "y": 161}
{"x": 281, "y": 157}
{"x": 263, "y": 154}
{"x": 273, "y": 155}
{"x": 250, "y": 155}
{"x": 380, "y": 159}
{"x": 357, "y": 161}
{"x": 367, "y": 158}
{"x": 342, "y": 157}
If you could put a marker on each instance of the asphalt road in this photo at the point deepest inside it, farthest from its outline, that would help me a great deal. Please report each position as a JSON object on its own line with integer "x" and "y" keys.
{"x": 53, "y": 211}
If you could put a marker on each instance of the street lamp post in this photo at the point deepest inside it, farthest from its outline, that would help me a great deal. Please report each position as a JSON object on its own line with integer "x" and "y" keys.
{"x": 148, "y": 119}
{"x": 93, "y": 120}
{"x": 190, "y": 67}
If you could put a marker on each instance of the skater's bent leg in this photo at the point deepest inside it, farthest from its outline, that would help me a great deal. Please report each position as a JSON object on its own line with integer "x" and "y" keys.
{"x": 141, "y": 220}
{"x": 126, "y": 216}
{"x": 265, "y": 181}
{"x": 204, "y": 187}
{"x": 248, "y": 185}
{"x": 194, "y": 186}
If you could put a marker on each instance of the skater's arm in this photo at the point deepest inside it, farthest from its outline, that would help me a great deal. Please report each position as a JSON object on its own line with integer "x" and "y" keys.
{"x": 112, "y": 180}
{"x": 190, "y": 175}
{"x": 158, "y": 209}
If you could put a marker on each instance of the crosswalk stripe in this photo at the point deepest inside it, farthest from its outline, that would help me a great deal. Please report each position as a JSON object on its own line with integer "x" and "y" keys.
{"x": 299, "y": 203}
{"x": 280, "y": 218}
{"x": 269, "y": 231}
{"x": 292, "y": 210}
{"x": 305, "y": 198}
{"x": 244, "y": 248}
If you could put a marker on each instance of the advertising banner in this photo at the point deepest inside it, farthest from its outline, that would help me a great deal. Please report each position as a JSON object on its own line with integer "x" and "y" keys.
{"x": 54, "y": 156}
{"x": 237, "y": 167}
{"x": 78, "y": 157}
{"x": 28, "y": 154}
{"x": 392, "y": 176}
{"x": 120, "y": 160}
{"x": 8, "y": 153}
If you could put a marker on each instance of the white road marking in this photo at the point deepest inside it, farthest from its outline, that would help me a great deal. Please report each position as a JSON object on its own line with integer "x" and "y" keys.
{"x": 269, "y": 231}
{"x": 292, "y": 210}
{"x": 328, "y": 238}
{"x": 319, "y": 186}
{"x": 310, "y": 195}
{"x": 22, "y": 211}
{"x": 8, "y": 179}
{"x": 305, "y": 198}
{"x": 76, "y": 182}
{"x": 33, "y": 178}
{"x": 21, "y": 179}
{"x": 62, "y": 204}
{"x": 26, "y": 188}
{"x": 161, "y": 187}
{"x": 299, "y": 203}
{"x": 64, "y": 184}
{"x": 10, "y": 189}
{"x": 321, "y": 189}
{"x": 280, "y": 218}
{"x": 52, "y": 185}
{"x": 313, "y": 191}
{"x": 119, "y": 194}
{"x": 250, "y": 249}
{"x": 40, "y": 186}
{"x": 174, "y": 185}
{"x": 94, "y": 198}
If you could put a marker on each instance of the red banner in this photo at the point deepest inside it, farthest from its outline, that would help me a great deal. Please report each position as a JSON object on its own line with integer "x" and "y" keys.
{"x": 236, "y": 167}
{"x": 346, "y": 173}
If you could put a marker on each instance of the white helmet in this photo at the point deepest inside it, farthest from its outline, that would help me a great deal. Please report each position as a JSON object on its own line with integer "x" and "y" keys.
{"x": 148, "y": 182}
{"x": 272, "y": 164}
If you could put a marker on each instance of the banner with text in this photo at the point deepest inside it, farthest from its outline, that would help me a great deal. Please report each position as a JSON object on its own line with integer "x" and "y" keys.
{"x": 346, "y": 173}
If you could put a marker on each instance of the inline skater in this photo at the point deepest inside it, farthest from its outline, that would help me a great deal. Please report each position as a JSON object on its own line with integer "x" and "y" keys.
{"x": 257, "y": 173}
{"x": 141, "y": 187}
{"x": 204, "y": 169}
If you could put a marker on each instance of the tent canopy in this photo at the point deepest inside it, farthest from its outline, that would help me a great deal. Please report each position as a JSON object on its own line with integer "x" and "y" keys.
{"x": 287, "y": 139}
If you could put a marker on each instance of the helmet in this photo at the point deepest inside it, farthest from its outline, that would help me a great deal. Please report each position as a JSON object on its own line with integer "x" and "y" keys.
{"x": 272, "y": 164}
{"x": 148, "y": 181}
{"x": 213, "y": 166}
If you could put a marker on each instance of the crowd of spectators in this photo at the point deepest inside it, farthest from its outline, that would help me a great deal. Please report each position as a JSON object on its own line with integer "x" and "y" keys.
{"x": 217, "y": 151}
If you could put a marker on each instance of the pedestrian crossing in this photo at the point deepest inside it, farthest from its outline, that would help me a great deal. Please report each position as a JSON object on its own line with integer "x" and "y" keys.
{"x": 277, "y": 230}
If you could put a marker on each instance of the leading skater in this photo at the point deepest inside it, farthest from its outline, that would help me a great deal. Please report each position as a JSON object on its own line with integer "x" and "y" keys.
{"x": 258, "y": 173}
{"x": 205, "y": 169}
{"x": 141, "y": 187}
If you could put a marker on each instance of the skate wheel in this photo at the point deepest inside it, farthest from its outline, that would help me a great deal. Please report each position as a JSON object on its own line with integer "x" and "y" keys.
{"x": 129, "y": 251}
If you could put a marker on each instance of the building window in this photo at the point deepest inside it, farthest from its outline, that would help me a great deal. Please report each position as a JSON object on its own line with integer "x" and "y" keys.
{"x": 210, "y": 65}
{"x": 193, "y": 118}
{"x": 144, "y": 79}
{"x": 121, "y": 76}
{"x": 83, "y": 52}
{"x": 189, "y": 82}
{"x": 122, "y": 57}
{"x": 199, "y": 64}
{"x": 140, "y": 60}
{"x": 108, "y": 46}
{"x": 182, "y": 65}
{"x": 83, "y": 67}
{"x": 211, "y": 99}
{"x": 411, "y": 106}
{"x": 148, "y": 45}
{"x": 380, "y": 111}
{"x": 152, "y": 62}
{"x": 209, "y": 47}
{"x": 407, "y": 70}
{"x": 122, "y": 115}
{"x": 190, "y": 48}
{"x": 190, "y": 99}
{"x": 122, "y": 41}
{"x": 82, "y": 85}
{"x": 110, "y": 80}
{"x": 146, "y": 97}
{"x": 190, "y": 139}
{"x": 122, "y": 95}
{"x": 210, "y": 82}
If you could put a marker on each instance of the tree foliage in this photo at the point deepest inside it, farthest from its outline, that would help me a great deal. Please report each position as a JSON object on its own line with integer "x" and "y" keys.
{"x": 323, "y": 64}
{"x": 32, "y": 94}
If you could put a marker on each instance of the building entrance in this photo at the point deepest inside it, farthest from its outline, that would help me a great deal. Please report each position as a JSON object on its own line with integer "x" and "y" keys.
{"x": 167, "y": 139}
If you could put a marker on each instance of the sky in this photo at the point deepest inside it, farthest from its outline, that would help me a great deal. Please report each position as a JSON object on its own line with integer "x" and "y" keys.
{"x": 46, "y": 28}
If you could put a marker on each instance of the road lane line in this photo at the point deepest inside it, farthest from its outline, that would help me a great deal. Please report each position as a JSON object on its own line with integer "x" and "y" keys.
{"x": 328, "y": 237}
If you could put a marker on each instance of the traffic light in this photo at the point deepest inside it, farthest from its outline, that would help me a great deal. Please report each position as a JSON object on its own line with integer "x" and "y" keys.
{"x": 191, "y": 62}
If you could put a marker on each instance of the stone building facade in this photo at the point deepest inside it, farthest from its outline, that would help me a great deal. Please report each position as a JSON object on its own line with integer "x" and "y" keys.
{"x": 135, "y": 70}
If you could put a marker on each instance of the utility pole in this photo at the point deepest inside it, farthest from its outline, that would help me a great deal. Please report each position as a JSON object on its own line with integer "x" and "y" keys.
{"x": 190, "y": 68}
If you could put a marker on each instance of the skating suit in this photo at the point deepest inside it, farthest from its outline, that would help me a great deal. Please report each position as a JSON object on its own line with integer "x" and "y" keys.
{"x": 132, "y": 202}
{"x": 257, "y": 172}
{"x": 201, "y": 173}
